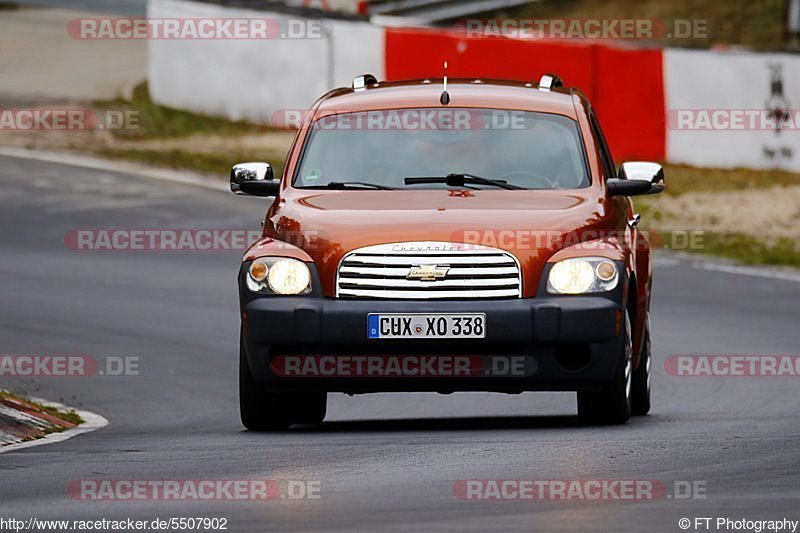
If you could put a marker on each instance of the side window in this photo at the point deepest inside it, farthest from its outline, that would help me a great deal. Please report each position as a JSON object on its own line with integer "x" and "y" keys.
{"x": 605, "y": 153}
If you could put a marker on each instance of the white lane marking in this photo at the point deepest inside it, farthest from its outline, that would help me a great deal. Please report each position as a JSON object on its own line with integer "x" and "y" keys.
{"x": 95, "y": 163}
{"x": 98, "y": 205}
{"x": 92, "y": 422}
{"x": 784, "y": 275}
{"x": 670, "y": 259}
{"x": 82, "y": 202}
{"x": 660, "y": 261}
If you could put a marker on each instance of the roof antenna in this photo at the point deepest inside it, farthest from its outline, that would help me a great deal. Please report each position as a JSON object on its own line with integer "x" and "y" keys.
{"x": 445, "y": 97}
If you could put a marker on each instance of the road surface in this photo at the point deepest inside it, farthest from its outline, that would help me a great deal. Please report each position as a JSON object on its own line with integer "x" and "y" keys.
{"x": 382, "y": 461}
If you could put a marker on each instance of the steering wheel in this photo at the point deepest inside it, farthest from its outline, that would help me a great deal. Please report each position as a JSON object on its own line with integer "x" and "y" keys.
{"x": 536, "y": 178}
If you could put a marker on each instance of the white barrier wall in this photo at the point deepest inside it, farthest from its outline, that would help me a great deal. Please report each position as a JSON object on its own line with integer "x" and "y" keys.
{"x": 346, "y": 6}
{"x": 733, "y": 90}
{"x": 718, "y": 104}
{"x": 253, "y": 78}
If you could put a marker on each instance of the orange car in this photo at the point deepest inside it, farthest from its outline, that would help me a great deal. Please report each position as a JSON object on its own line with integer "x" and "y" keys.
{"x": 435, "y": 235}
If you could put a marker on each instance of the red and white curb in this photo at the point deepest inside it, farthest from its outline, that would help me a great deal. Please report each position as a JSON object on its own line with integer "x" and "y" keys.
{"x": 23, "y": 423}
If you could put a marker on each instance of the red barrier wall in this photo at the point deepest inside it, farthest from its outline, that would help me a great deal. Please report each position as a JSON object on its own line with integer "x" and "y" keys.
{"x": 625, "y": 86}
{"x": 628, "y": 97}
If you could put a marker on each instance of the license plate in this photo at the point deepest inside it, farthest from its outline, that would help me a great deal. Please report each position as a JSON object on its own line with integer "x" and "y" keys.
{"x": 426, "y": 326}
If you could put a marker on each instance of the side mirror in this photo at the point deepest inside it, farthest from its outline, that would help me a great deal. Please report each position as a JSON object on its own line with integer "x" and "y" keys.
{"x": 637, "y": 177}
{"x": 255, "y": 179}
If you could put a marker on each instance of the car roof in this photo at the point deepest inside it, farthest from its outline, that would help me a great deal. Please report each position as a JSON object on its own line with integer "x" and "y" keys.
{"x": 473, "y": 93}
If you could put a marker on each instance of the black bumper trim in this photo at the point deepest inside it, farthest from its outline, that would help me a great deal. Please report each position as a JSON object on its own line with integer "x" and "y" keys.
{"x": 315, "y": 320}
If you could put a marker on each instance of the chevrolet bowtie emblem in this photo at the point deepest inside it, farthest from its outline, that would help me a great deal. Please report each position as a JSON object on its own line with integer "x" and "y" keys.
{"x": 428, "y": 272}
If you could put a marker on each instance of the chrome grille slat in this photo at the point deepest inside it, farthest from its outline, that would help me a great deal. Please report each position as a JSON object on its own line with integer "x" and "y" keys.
{"x": 454, "y": 271}
{"x": 417, "y": 284}
{"x": 475, "y": 272}
{"x": 409, "y": 260}
{"x": 425, "y": 295}
{"x": 438, "y": 253}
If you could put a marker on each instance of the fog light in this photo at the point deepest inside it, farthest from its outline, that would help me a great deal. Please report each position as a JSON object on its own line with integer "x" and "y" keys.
{"x": 606, "y": 270}
{"x": 258, "y": 271}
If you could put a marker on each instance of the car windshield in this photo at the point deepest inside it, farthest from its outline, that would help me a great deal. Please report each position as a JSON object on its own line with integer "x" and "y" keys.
{"x": 380, "y": 149}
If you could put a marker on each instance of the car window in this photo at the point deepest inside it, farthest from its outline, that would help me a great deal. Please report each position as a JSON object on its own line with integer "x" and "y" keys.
{"x": 526, "y": 149}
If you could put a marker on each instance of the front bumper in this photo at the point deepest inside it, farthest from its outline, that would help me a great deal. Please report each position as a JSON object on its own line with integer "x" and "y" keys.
{"x": 572, "y": 340}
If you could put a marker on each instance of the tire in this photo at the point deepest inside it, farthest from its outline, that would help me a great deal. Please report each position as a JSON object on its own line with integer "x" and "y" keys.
{"x": 309, "y": 407}
{"x": 640, "y": 386}
{"x": 612, "y": 403}
{"x": 261, "y": 410}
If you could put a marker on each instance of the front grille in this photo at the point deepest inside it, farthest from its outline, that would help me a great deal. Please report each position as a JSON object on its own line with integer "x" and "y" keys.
{"x": 472, "y": 271}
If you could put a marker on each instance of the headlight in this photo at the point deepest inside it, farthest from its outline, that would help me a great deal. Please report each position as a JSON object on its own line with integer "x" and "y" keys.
{"x": 581, "y": 275}
{"x": 289, "y": 276}
{"x": 279, "y": 275}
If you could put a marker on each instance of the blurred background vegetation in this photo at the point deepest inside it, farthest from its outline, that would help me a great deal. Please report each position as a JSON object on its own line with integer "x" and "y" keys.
{"x": 756, "y": 24}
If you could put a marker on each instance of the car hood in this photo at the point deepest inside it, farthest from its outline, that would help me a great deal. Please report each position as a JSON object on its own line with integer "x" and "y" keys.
{"x": 532, "y": 225}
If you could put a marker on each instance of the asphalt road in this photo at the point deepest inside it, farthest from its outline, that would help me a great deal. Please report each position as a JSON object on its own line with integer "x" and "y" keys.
{"x": 382, "y": 461}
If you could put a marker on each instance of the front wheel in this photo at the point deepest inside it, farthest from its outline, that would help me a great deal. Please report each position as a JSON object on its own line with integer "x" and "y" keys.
{"x": 261, "y": 410}
{"x": 612, "y": 403}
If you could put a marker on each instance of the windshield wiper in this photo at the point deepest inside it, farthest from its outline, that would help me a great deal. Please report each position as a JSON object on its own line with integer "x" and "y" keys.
{"x": 356, "y": 185}
{"x": 459, "y": 180}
